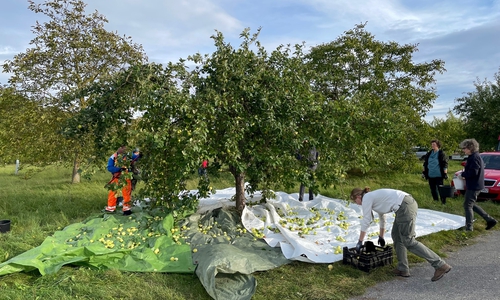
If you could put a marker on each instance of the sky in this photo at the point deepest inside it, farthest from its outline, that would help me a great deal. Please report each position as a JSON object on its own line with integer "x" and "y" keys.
{"x": 464, "y": 34}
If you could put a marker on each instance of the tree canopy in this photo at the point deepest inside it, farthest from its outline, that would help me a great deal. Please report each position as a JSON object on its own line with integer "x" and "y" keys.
{"x": 257, "y": 109}
{"x": 253, "y": 112}
{"x": 357, "y": 100}
{"x": 450, "y": 131}
{"x": 25, "y": 126}
{"x": 246, "y": 110}
{"x": 380, "y": 95}
{"x": 480, "y": 111}
{"x": 69, "y": 52}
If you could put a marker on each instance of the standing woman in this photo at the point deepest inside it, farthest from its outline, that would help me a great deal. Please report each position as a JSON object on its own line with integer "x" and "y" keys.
{"x": 474, "y": 182}
{"x": 384, "y": 201}
{"x": 436, "y": 169}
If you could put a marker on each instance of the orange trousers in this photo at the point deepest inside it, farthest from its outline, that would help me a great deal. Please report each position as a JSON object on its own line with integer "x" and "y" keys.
{"x": 126, "y": 193}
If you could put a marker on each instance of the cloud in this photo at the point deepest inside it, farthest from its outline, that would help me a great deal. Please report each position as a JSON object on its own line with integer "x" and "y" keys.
{"x": 7, "y": 51}
{"x": 167, "y": 25}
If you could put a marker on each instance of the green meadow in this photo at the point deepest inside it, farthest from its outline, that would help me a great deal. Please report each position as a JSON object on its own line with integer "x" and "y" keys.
{"x": 41, "y": 201}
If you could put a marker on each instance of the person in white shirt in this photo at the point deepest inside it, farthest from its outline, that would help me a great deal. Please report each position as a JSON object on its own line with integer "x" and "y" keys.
{"x": 383, "y": 201}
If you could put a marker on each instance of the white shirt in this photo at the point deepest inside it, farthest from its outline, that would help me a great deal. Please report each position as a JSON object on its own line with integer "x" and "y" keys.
{"x": 381, "y": 201}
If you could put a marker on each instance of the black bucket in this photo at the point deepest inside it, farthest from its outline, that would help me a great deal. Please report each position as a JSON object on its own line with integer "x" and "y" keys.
{"x": 4, "y": 226}
{"x": 446, "y": 191}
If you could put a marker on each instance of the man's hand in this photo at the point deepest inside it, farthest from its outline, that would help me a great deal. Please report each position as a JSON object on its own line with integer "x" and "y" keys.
{"x": 381, "y": 241}
{"x": 358, "y": 246}
{"x": 445, "y": 176}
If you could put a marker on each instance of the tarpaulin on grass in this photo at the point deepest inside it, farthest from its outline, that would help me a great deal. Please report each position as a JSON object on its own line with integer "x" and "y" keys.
{"x": 224, "y": 249}
{"x": 316, "y": 231}
{"x": 227, "y": 254}
{"x": 137, "y": 243}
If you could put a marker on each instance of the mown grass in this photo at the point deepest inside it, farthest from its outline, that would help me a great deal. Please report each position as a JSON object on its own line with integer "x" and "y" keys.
{"x": 48, "y": 202}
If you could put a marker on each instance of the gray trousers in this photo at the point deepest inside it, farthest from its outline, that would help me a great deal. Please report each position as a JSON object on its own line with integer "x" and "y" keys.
{"x": 302, "y": 190}
{"x": 403, "y": 235}
{"x": 470, "y": 207}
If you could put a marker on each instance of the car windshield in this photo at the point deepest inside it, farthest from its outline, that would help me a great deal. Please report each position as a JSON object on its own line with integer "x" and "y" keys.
{"x": 491, "y": 161}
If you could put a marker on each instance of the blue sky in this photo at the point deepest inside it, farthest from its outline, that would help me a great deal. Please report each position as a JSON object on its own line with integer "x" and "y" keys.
{"x": 465, "y": 34}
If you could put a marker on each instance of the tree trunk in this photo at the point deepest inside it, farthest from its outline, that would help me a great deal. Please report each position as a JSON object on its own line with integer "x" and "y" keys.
{"x": 76, "y": 165}
{"x": 240, "y": 191}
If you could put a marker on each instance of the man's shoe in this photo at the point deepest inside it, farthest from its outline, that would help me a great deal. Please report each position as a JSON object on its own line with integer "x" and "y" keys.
{"x": 108, "y": 211}
{"x": 490, "y": 224}
{"x": 401, "y": 273}
{"x": 127, "y": 213}
{"x": 439, "y": 273}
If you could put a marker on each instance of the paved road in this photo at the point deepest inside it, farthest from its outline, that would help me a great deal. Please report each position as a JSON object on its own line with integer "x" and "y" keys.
{"x": 475, "y": 275}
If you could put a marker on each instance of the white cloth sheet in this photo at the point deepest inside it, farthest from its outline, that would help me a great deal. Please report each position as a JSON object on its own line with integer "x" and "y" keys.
{"x": 328, "y": 224}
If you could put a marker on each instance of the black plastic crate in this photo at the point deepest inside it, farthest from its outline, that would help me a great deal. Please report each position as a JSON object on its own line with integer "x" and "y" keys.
{"x": 367, "y": 261}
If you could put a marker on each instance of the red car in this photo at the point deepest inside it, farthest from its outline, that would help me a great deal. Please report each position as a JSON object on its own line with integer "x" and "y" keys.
{"x": 491, "y": 189}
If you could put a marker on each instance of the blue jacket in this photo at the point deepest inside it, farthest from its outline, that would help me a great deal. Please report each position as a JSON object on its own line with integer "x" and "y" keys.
{"x": 111, "y": 164}
{"x": 112, "y": 159}
{"x": 474, "y": 172}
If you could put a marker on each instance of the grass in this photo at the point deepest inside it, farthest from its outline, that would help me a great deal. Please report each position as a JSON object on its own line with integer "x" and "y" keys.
{"x": 47, "y": 202}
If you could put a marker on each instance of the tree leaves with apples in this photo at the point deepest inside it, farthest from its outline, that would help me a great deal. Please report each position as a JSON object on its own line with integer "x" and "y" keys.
{"x": 253, "y": 112}
{"x": 69, "y": 52}
{"x": 256, "y": 109}
{"x": 247, "y": 110}
{"x": 148, "y": 105}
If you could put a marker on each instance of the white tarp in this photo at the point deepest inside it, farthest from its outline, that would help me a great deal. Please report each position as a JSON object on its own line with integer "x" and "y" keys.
{"x": 316, "y": 231}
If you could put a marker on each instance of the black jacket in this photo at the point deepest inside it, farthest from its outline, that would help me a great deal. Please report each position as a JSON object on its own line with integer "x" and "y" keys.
{"x": 474, "y": 172}
{"x": 443, "y": 163}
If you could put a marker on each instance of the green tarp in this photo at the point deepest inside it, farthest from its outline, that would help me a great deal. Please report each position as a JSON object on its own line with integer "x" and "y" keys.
{"x": 137, "y": 243}
{"x": 227, "y": 255}
{"x": 214, "y": 244}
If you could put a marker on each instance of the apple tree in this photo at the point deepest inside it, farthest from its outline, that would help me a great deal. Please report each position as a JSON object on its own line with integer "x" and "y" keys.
{"x": 249, "y": 111}
{"x": 69, "y": 52}
{"x": 257, "y": 111}
{"x": 479, "y": 109}
{"x": 450, "y": 131}
{"x": 25, "y": 125}
{"x": 379, "y": 95}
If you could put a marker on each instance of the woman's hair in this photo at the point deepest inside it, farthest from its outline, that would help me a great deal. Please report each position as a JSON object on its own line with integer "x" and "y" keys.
{"x": 358, "y": 191}
{"x": 438, "y": 143}
{"x": 470, "y": 144}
